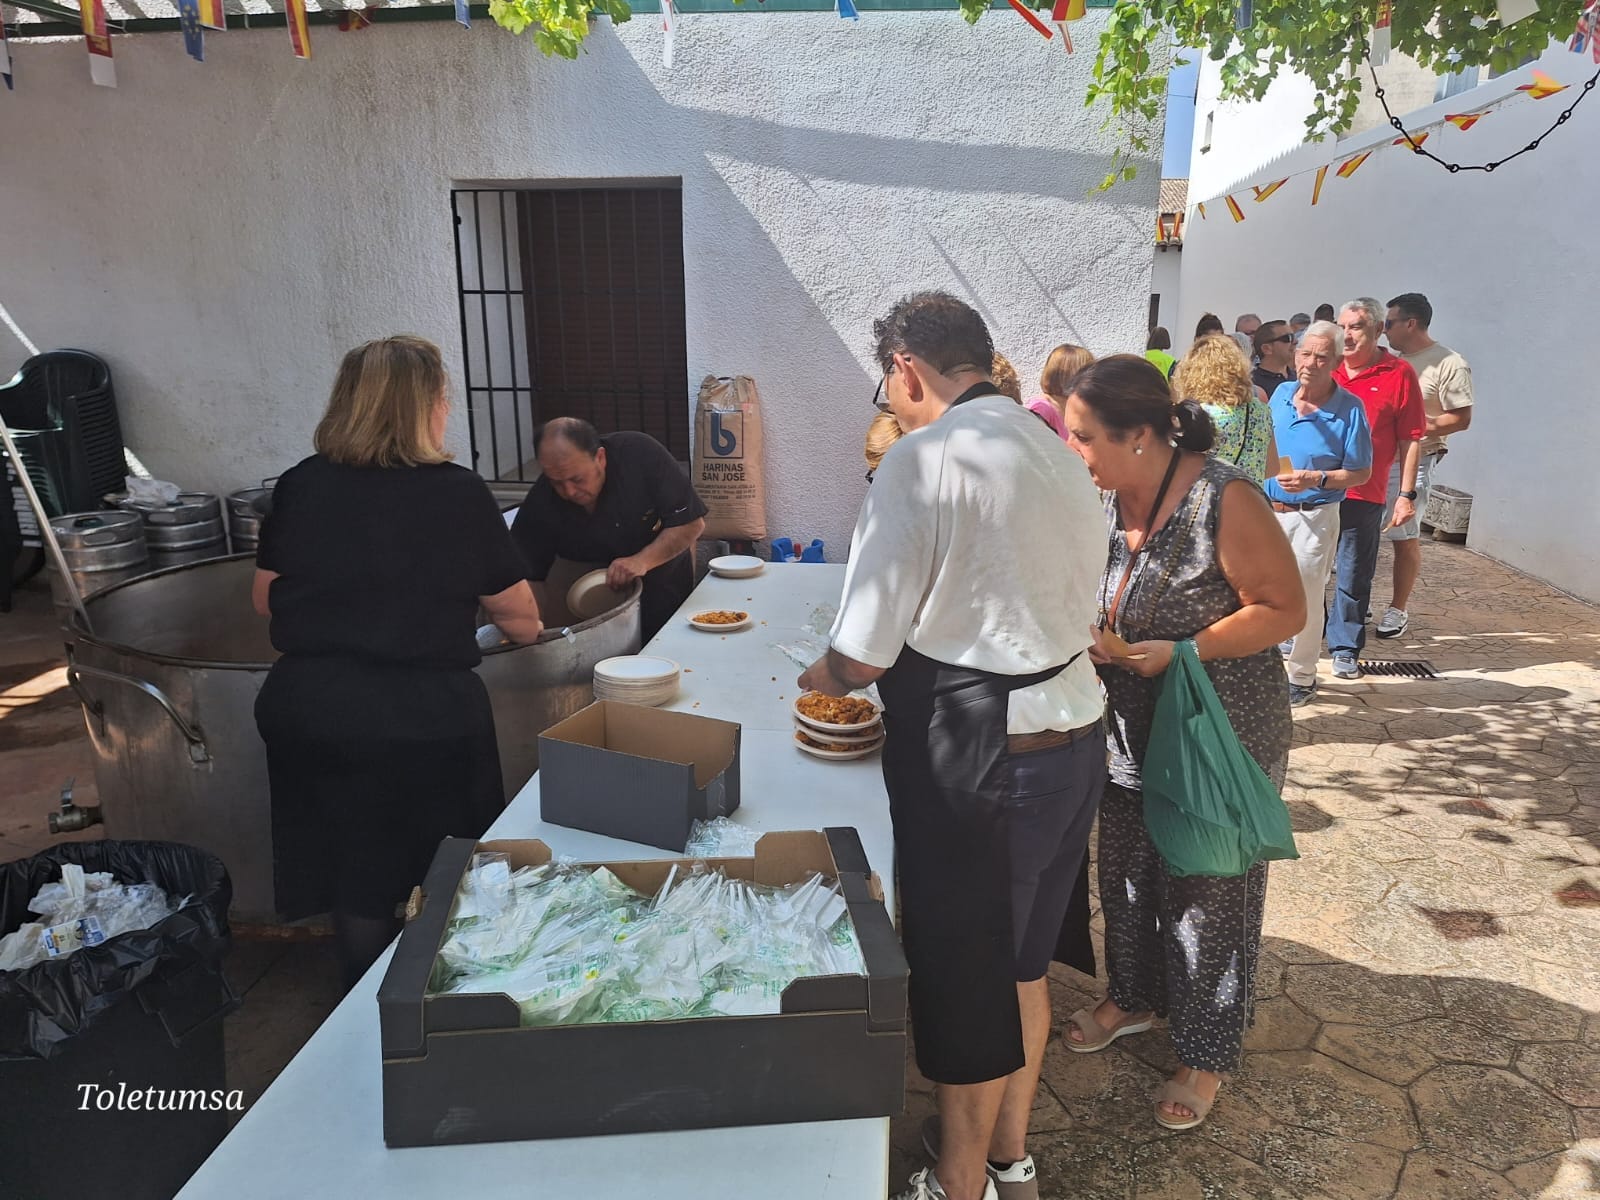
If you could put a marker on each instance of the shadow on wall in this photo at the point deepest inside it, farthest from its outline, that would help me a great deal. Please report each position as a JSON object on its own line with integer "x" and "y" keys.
{"x": 1354, "y": 1084}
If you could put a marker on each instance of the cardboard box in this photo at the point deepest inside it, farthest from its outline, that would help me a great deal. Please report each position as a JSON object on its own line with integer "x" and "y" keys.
{"x": 461, "y": 1068}
{"x": 639, "y": 774}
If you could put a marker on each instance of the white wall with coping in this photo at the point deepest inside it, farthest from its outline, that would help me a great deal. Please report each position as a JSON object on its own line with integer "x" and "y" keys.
{"x": 1511, "y": 273}
{"x": 1166, "y": 276}
{"x": 223, "y": 232}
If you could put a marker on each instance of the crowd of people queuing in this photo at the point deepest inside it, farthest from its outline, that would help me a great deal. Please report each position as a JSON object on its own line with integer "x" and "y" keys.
{"x": 1022, "y": 573}
{"x": 1231, "y": 482}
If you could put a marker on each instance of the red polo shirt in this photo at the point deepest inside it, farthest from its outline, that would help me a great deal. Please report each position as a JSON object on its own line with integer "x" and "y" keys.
{"x": 1392, "y": 397}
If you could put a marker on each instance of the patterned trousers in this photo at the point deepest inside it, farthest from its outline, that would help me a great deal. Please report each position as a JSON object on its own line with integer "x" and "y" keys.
{"x": 1185, "y": 948}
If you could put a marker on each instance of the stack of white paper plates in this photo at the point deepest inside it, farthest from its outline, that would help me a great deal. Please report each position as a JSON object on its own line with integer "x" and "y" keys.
{"x": 636, "y": 679}
{"x": 736, "y": 566}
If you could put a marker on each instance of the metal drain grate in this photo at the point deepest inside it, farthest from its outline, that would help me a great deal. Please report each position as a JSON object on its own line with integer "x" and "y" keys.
{"x": 1421, "y": 669}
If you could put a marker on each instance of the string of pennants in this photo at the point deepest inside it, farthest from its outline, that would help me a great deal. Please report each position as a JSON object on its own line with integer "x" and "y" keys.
{"x": 1541, "y": 87}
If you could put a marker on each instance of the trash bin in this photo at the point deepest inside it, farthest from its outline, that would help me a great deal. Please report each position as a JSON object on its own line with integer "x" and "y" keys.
{"x": 111, "y": 1058}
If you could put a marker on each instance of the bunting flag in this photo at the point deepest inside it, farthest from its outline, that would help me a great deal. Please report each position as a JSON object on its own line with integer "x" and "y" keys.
{"x": 1027, "y": 15}
{"x": 462, "y": 15}
{"x": 102, "y": 71}
{"x": 1542, "y": 86}
{"x": 1202, "y": 207}
{"x": 1378, "y": 47}
{"x": 294, "y": 14}
{"x": 1064, "y": 11}
{"x": 351, "y": 19}
{"x": 1509, "y": 12}
{"x": 1586, "y": 35}
{"x": 1263, "y": 192}
{"x": 669, "y": 21}
{"x": 1465, "y": 121}
{"x": 1316, "y": 188}
{"x": 1352, "y": 164}
{"x": 194, "y": 38}
{"x": 847, "y": 10}
{"x": 1412, "y": 141}
{"x": 5, "y": 58}
{"x": 1233, "y": 207}
{"x": 211, "y": 15}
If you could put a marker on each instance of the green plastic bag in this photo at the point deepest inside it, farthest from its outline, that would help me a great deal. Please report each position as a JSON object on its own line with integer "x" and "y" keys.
{"x": 1209, "y": 807}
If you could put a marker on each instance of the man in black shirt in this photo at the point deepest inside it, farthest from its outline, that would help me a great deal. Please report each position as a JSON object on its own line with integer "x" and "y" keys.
{"x": 618, "y": 499}
{"x": 1275, "y": 351}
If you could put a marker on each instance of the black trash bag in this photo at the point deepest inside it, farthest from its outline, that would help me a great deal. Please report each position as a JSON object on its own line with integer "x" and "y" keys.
{"x": 53, "y": 1001}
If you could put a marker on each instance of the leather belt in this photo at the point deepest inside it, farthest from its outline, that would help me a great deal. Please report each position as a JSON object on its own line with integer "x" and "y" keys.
{"x": 1279, "y": 507}
{"x": 1050, "y": 739}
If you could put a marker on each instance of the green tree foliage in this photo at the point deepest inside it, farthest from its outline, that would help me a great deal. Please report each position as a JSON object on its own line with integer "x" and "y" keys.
{"x": 1325, "y": 41}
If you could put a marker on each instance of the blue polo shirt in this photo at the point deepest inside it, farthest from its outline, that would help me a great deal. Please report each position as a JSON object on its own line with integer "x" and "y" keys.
{"x": 1335, "y": 437}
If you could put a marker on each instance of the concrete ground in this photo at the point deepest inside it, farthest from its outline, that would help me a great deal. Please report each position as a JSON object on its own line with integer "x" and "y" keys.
{"x": 1427, "y": 1026}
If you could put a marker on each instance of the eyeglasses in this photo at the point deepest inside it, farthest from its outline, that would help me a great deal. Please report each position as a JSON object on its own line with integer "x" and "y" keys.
{"x": 879, "y": 400}
{"x": 1282, "y": 337}
{"x": 1392, "y": 322}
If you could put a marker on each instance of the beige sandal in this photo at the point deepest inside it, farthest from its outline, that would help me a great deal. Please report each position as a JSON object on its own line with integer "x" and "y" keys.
{"x": 1096, "y": 1036}
{"x": 1173, "y": 1092}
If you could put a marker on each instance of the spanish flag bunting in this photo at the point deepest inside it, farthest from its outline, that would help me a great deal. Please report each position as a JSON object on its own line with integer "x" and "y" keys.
{"x": 102, "y": 71}
{"x": 1352, "y": 164}
{"x": 1382, "y": 39}
{"x": 1263, "y": 192}
{"x": 1542, "y": 86}
{"x": 1316, "y": 188}
{"x": 1069, "y": 10}
{"x": 1465, "y": 121}
{"x": 1027, "y": 15}
{"x": 294, "y": 12}
{"x": 211, "y": 14}
{"x": 5, "y": 58}
{"x": 1202, "y": 207}
{"x": 1413, "y": 140}
{"x": 1233, "y": 207}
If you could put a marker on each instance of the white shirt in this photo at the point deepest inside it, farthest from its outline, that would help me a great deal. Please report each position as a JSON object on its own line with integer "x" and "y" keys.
{"x": 981, "y": 544}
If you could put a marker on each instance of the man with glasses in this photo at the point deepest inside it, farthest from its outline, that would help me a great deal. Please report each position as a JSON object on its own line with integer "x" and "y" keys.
{"x": 1388, "y": 390}
{"x": 1446, "y": 381}
{"x": 969, "y": 598}
{"x": 1274, "y": 346}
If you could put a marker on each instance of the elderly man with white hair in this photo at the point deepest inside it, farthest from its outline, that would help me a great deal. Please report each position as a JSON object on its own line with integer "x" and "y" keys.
{"x": 1321, "y": 430}
{"x": 1389, "y": 392}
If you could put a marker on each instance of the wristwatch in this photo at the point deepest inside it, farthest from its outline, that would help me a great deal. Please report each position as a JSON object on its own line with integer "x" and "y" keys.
{"x": 1412, "y": 496}
{"x": 1323, "y": 482}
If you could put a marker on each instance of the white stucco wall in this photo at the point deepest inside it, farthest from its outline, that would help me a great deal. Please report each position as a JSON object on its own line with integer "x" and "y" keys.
{"x": 1165, "y": 280}
{"x": 1510, "y": 268}
{"x": 223, "y": 232}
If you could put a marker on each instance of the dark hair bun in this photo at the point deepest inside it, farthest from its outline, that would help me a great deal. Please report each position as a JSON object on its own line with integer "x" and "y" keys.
{"x": 1195, "y": 430}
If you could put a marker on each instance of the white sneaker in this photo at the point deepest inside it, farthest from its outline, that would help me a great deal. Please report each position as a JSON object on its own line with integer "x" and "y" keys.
{"x": 925, "y": 1186}
{"x": 1394, "y": 623}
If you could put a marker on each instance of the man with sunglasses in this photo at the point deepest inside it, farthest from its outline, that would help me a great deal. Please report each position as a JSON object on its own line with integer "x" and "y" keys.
{"x": 1274, "y": 356}
{"x": 968, "y": 598}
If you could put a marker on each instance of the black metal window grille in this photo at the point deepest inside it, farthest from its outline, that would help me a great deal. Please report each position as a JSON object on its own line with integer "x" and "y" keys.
{"x": 571, "y": 305}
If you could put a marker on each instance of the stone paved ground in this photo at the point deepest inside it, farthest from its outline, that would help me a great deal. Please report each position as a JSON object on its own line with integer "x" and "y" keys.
{"x": 1427, "y": 1024}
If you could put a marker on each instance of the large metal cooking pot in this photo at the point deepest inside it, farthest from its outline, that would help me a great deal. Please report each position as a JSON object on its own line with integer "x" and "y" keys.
{"x": 168, "y": 681}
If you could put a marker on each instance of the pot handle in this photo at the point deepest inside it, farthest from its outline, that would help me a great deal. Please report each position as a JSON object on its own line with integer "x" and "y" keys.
{"x": 191, "y": 733}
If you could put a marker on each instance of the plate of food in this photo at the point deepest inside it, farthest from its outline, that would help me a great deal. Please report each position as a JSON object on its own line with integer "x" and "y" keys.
{"x": 817, "y": 749}
{"x": 720, "y": 620}
{"x": 736, "y": 566}
{"x": 842, "y": 714}
{"x": 841, "y": 741}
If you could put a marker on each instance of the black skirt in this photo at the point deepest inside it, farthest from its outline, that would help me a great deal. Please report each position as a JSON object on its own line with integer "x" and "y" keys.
{"x": 371, "y": 766}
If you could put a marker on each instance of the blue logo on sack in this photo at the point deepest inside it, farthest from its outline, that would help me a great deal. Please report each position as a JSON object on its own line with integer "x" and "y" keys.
{"x": 725, "y": 432}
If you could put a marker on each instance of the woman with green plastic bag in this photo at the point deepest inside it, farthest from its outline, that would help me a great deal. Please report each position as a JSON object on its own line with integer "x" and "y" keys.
{"x": 1196, "y": 556}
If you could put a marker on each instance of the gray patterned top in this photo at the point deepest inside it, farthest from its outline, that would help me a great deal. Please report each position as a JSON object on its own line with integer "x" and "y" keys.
{"x": 1178, "y": 589}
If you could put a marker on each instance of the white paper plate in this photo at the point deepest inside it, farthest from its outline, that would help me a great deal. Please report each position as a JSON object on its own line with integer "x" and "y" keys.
{"x": 646, "y": 699}
{"x": 589, "y": 596}
{"x": 737, "y": 566}
{"x": 634, "y": 669}
{"x": 838, "y": 755}
{"x": 710, "y": 627}
{"x": 844, "y": 741}
{"x": 827, "y": 728}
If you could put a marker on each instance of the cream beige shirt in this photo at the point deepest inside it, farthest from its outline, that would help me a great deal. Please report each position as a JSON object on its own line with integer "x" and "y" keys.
{"x": 1446, "y": 381}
